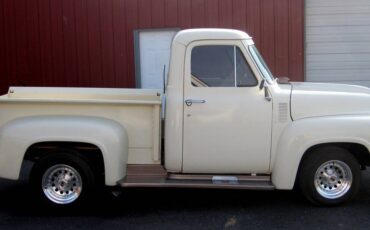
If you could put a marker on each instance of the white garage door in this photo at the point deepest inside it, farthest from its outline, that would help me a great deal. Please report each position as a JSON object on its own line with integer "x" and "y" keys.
{"x": 338, "y": 41}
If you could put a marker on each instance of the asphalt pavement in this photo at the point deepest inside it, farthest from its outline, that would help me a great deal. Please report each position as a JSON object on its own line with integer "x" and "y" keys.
{"x": 185, "y": 209}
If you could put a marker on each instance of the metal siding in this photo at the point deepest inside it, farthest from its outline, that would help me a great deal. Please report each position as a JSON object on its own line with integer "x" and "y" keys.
{"x": 184, "y": 14}
{"x": 296, "y": 38}
{"x": 82, "y": 43}
{"x": 70, "y": 48}
{"x": 33, "y": 41}
{"x": 225, "y": 14}
{"x": 337, "y": 41}
{"x": 107, "y": 43}
{"x": 94, "y": 42}
{"x": 197, "y": 13}
{"x": 47, "y": 71}
{"x": 281, "y": 37}
{"x": 158, "y": 13}
{"x": 3, "y": 79}
{"x": 131, "y": 25}
{"x": 9, "y": 47}
{"x": 120, "y": 34}
{"x": 21, "y": 47}
{"x": 145, "y": 13}
{"x": 254, "y": 20}
{"x": 57, "y": 42}
{"x": 239, "y": 11}
{"x": 90, "y": 42}
{"x": 268, "y": 35}
{"x": 211, "y": 14}
{"x": 171, "y": 13}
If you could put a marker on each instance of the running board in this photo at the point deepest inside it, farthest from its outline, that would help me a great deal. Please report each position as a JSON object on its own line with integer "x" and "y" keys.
{"x": 155, "y": 177}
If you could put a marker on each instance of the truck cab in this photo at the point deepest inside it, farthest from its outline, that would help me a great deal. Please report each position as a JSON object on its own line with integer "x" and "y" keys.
{"x": 218, "y": 120}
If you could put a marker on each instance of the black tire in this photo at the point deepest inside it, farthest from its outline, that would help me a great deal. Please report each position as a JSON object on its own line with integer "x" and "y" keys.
{"x": 78, "y": 169}
{"x": 336, "y": 166}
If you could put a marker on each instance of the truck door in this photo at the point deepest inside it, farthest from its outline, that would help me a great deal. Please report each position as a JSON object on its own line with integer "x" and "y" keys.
{"x": 227, "y": 120}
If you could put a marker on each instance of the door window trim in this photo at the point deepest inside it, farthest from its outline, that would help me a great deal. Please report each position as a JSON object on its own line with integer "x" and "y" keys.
{"x": 251, "y": 64}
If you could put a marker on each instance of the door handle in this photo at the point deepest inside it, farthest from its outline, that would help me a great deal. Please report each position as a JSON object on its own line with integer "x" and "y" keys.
{"x": 189, "y": 102}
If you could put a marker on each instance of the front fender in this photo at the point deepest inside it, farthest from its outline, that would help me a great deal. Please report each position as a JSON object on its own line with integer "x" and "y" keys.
{"x": 302, "y": 134}
{"x": 109, "y": 136}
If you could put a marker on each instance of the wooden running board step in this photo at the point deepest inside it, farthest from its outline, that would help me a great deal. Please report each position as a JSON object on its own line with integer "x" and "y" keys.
{"x": 155, "y": 176}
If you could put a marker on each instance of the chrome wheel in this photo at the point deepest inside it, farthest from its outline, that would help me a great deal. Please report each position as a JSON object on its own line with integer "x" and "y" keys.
{"x": 62, "y": 184}
{"x": 333, "y": 179}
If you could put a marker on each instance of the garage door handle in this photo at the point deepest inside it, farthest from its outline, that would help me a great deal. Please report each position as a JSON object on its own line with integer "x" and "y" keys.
{"x": 189, "y": 102}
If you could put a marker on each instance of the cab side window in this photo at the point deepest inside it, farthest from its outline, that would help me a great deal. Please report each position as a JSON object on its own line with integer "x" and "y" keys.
{"x": 220, "y": 66}
{"x": 213, "y": 65}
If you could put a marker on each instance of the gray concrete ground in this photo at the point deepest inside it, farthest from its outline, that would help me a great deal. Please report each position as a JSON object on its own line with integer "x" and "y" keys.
{"x": 185, "y": 209}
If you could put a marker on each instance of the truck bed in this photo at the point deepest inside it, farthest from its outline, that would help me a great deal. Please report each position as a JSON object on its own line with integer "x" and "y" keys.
{"x": 138, "y": 110}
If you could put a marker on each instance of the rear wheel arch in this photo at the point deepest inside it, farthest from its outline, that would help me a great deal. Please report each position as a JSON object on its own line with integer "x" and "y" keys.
{"x": 90, "y": 153}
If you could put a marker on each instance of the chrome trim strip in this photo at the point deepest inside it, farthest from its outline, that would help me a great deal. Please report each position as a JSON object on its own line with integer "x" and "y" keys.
{"x": 210, "y": 177}
{"x": 153, "y": 183}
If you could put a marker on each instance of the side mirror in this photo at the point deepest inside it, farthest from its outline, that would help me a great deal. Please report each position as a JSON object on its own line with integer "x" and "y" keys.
{"x": 264, "y": 86}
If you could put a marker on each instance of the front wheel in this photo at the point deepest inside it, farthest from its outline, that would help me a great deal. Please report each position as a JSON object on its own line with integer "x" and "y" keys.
{"x": 62, "y": 180}
{"x": 330, "y": 176}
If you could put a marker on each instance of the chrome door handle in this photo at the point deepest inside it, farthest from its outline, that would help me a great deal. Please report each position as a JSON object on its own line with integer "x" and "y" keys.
{"x": 189, "y": 102}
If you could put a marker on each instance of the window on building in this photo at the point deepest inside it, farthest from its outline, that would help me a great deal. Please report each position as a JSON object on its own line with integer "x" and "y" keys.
{"x": 220, "y": 66}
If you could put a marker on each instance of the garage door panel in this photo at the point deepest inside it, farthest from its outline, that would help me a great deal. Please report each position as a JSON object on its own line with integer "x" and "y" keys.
{"x": 333, "y": 3}
{"x": 330, "y": 10}
{"x": 338, "y": 41}
{"x": 338, "y": 47}
{"x": 338, "y": 57}
{"x": 337, "y": 30}
{"x": 338, "y": 20}
{"x": 315, "y": 65}
{"x": 339, "y": 38}
{"x": 350, "y": 82}
{"x": 339, "y": 74}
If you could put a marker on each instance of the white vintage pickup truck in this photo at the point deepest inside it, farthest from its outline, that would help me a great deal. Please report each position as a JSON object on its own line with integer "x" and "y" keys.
{"x": 228, "y": 124}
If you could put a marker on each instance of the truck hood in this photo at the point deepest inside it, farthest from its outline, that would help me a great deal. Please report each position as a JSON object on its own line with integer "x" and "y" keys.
{"x": 323, "y": 99}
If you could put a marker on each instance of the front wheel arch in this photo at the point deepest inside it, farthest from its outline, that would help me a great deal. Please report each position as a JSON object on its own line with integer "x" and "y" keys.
{"x": 320, "y": 157}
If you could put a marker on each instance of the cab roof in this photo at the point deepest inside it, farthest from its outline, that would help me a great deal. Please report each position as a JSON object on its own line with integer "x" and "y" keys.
{"x": 185, "y": 37}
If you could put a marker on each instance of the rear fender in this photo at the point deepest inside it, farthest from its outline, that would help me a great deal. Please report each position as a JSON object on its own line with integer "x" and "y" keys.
{"x": 109, "y": 136}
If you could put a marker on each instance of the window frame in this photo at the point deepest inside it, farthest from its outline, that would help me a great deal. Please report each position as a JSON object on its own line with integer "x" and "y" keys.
{"x": 234, "y": 43}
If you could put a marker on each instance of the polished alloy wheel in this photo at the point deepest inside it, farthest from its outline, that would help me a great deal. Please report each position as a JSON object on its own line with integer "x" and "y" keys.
{"x": 62, "y": 184}
{"x": 333, "y": 179}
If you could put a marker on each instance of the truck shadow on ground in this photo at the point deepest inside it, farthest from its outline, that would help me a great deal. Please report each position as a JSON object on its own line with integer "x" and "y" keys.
{"x": 184, "y": 209}
{"x": 17, "y": 198}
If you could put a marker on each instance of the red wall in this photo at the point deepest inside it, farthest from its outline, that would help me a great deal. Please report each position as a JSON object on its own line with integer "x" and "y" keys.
{"x": 90, "y": 42}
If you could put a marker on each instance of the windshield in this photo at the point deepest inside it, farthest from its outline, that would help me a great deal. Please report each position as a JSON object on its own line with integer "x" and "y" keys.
{"x": 261, "y": 63}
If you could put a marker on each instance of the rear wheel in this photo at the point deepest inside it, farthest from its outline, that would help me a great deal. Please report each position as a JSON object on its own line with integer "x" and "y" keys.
{"x": 329, "y": 176}
{"x": 62, "y": 179}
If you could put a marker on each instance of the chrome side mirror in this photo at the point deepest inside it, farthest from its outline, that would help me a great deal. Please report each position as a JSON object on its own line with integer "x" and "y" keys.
{"x": 262, "y": 84}
{"x": 265, "y": 87}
